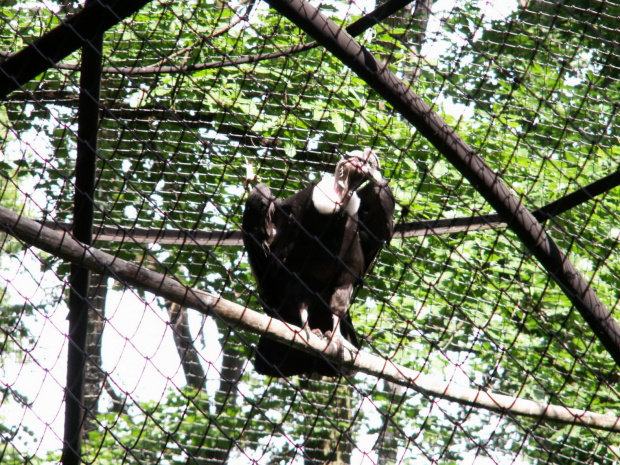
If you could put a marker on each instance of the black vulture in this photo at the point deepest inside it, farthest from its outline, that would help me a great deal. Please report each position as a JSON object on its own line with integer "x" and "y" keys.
{"x": 308, "y": 252}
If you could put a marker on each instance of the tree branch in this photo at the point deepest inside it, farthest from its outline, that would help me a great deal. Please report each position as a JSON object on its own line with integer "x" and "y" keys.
{"x": 190, "y": 360}
{"x": 63, "y": 245}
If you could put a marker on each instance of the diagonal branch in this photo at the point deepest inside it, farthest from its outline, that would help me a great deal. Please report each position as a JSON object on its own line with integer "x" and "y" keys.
{"x": 63, "y": 245}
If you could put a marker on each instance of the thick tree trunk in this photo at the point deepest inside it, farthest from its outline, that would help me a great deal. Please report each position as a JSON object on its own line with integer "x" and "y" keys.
{"x": 387, "y": 442}
{"x": 328, "y": 437}
{"x": 413, "y": 20}
{"x": 232, "y": 369}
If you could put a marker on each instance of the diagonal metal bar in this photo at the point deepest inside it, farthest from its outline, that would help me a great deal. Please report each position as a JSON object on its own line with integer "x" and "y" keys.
{"x": 578, "y": 197}
{"x": 477, "y": 223}
{"x": 449, "y": 143}
{"x": 78, "y": 31}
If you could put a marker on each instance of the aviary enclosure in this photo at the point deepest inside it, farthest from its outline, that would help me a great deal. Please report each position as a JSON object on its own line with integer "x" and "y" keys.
{"x": 131, "y": 133}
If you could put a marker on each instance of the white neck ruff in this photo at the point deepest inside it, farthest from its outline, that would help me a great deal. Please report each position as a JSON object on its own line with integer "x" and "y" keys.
{"x": 327, "y": 201}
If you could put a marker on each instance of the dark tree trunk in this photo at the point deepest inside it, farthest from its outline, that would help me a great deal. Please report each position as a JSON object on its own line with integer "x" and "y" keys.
{"x": 387, "y": 442}
{"x": 194, "y": 374}
{"x": 414, "y": 20}
{"x": 232, "y": 369}
{"x": 328, "y": 438}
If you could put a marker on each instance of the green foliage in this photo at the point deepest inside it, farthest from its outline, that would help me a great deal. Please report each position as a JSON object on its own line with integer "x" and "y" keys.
{"x": 192, "y": 427}
{"x": 542, "y": 95}
{"x": 180, "y": 428}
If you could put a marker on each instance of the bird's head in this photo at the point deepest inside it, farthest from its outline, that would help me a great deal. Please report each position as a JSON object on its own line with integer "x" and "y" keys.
{"x": 355, "y": 167}
{"x": 334, "y": 193}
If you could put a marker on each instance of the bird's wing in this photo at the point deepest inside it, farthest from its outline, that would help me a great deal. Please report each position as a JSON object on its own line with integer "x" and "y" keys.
{"x": 270, "y": 228}
{"x": 258, "y": 229}
{"x": 376, "y": 218}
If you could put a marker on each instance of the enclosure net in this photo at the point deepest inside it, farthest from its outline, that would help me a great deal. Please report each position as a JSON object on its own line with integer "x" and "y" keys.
{"x": 193, "y": 94}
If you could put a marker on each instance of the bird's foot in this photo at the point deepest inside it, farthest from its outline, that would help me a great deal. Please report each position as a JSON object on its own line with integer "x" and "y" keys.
{"x": 317, "y": 332}
{"x": 307, "y": 331}
{"x": 335, "y": 345}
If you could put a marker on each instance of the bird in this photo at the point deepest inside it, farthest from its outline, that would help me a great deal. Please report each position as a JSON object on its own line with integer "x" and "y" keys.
{"x": 309, "y": 252}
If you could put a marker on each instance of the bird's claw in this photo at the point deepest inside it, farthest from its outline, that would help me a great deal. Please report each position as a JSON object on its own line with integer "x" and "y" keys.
{"x": 335, "y": 344}
{"x": 307, "y": 332}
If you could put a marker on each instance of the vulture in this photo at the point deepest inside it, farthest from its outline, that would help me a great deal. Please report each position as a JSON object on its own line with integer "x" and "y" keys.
{"x": 308, "y": 252}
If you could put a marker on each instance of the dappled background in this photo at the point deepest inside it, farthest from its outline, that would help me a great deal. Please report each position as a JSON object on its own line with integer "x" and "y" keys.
{"x": 194, "y": 92}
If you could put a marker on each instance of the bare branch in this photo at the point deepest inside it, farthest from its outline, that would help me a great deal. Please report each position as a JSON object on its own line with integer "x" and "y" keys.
{"x": 63, "y": 245}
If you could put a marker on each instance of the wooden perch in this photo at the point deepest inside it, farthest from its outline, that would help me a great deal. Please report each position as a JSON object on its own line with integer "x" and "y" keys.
{"x": 63, "y": 245}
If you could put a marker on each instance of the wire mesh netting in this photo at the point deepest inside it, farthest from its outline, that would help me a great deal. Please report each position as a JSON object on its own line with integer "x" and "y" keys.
{"x": 197, "y": 97}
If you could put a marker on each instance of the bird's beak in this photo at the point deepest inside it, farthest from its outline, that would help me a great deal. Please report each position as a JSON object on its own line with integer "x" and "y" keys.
{"x": 340, "y": 177}
{"x": 372, "y": 172}
{"x": 357, "y": 163}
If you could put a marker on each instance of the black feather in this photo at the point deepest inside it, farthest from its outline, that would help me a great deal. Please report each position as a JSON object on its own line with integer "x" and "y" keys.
{"x": 302, "y": 258}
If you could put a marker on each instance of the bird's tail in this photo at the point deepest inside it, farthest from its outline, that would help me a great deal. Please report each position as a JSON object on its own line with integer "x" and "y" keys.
{"x": 280, "y": 360}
